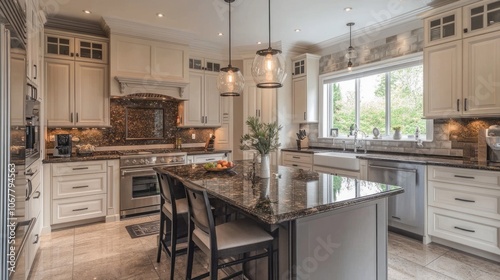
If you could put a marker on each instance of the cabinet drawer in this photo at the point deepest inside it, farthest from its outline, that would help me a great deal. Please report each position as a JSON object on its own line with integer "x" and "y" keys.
{"x": 208, "y": 158}
{"x": 465, "y": 176}
{"x": 480, "y": 233}
{"x": 472, "y": 200}
{"x": 303, "y": 166}
{"x": 78, "y": 185}
{"x": 78, "y": 208}
{"x": 298, "y": 157}
{"x": 75, "y": 168}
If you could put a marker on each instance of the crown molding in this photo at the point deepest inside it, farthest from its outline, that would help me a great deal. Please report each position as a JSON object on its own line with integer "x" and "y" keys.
{"x": 394, "y": 21}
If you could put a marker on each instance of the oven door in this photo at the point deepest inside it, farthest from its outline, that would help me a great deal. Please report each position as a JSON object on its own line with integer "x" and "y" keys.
{"x": 140, "y": 191}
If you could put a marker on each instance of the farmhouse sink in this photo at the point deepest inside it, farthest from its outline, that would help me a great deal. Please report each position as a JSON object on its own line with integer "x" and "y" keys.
{"x": 346, "y": 161}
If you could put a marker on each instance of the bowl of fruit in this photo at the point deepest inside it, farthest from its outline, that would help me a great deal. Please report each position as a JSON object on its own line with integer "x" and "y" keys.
{"x": 221, "y": 165}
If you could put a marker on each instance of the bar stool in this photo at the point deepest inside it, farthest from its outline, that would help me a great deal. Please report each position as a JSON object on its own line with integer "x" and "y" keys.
{"x": 228, "y": 239}
{"x": 169, "y": 187}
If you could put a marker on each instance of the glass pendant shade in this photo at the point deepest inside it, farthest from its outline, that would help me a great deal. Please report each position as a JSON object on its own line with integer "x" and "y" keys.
{"x": 230, "y": 81}
{"x": 351, "y": 51}
{"x": 268, "y": 68}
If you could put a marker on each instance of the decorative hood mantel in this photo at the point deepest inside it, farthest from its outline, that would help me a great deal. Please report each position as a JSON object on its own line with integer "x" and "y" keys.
{"x": 130, "y": 86}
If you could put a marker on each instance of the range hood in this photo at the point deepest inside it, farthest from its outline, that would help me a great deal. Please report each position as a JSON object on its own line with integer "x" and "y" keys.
{"x": 134, "y": 86}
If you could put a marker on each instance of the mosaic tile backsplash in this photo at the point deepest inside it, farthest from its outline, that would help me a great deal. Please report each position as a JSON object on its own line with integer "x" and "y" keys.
{"x": 452, "y": 137}
{"x": 144, "y": 120}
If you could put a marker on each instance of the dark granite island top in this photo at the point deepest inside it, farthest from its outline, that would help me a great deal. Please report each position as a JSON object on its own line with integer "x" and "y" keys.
{"x": 327, "y": 225}
{"x": 292, "y": 195}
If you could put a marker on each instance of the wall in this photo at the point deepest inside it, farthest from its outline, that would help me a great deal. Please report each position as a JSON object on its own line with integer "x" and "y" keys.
{"x": 115, "y": 135}
{"x": 452, "y": 137}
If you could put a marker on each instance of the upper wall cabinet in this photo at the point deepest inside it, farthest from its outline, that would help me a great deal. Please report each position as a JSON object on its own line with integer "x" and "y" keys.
{"x": 138, "y": 62}
{"x": 482, "y": 17}
{"x": 442, "y": 28}
{"x": 66, "y": 46}
{"x": 205, "y": 64}
{"x": 305, "y": 88}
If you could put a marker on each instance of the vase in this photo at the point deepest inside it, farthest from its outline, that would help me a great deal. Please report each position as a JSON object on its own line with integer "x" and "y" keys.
{"x": 397, "y": 134}
{"x": 265, "y": 166}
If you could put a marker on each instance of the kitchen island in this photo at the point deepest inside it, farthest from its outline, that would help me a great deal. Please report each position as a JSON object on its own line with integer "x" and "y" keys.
{"x": 329, "y": 227}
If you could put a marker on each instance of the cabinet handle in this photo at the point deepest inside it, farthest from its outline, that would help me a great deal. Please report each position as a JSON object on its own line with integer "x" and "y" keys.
{"x": 36, "y": 195}
{"x": 458, "y": 105}
{"x": 397, "y": 218}
{"x": 465, "y": 200}
{"x": 80, "y": 187}
{"x": 71, "y": 117}
{"x": 206, "y": 119}
{"x": 467, "y": 230}
{"x": 465, "y": 104}
{"x": 295, "y": 165}
{"x": 76, "y": 117}
{"x": 305, "y": 117}
{"x": 37, "y": 238}
{"x": 296, "y": 157}
{"x": 464, "y": 177}
{"x": 80, "y": 168}
{"x": 210, "y": 159}
{"x": 466, "y": 30}
{"x": 28, "y": 191}
{"x": 36, "y": 71}
{"x": 80, "y": 209}
{"x": 29, "y": 172}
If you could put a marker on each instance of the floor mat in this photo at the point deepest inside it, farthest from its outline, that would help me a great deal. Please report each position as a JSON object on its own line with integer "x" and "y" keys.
{"x": 144, "y": 229}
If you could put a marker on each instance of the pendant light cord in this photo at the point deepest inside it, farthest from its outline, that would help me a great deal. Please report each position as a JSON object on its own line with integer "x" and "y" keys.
{"x": 269, "y": 24}
{"x": 230, "y": 33}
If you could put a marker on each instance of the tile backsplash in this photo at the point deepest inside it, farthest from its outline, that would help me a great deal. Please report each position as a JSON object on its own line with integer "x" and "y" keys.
{"x": 116, "y": 134}
{"x": 451, "y": 138}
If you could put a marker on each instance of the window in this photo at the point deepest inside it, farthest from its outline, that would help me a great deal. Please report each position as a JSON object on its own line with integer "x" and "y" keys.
{"x": 382, "y": 98}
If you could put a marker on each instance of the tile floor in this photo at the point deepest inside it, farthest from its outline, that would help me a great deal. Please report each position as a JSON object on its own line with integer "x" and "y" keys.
{"x": 106, "y": 251}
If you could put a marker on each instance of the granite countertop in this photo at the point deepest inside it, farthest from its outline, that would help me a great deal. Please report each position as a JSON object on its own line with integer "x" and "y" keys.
{"x": 110, "y": 155}
{"x": 411, "y": 158}
{"x": 292, "y": 196}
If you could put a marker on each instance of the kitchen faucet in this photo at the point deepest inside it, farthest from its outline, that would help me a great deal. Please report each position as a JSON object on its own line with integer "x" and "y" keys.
{"x": 357, "y": 143}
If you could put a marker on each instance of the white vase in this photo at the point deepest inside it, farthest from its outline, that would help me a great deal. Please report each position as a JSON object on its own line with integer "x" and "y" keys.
{"x": 265, "y": 166}
{"x": 397, "y": 134}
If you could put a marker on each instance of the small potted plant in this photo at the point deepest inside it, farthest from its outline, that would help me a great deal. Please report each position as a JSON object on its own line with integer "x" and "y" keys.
{"x": 263, "y": 137}
{"x": 397, "y": 133}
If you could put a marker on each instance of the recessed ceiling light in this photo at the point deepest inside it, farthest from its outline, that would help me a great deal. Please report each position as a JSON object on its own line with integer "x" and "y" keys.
{"x": 348, "y": 9}
{"x": 87, "y": 11}
{"x": 220, "y": 34}
{"x": 159, "y": 15}
{"x": 297, "y": 30}
{"x": 259, "y": 42}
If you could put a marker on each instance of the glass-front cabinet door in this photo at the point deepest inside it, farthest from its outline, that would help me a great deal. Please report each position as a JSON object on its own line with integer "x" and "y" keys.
{"x": 443, "y": 28}
{"x": 299, "y": 67}
{"x": 59, "y": 47}
{"x": 91, "y": 51}
{"x": 481, "y": 17}
{"x": 75, "y": 49}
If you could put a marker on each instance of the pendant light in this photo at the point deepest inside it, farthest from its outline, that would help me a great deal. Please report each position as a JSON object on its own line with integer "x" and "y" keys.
{"x": 351, "y": 52}
{"x": 268, "y": 67}
{"x": 230, "y": 81}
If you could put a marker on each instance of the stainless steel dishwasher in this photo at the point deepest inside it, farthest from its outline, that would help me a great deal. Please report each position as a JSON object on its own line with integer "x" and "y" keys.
{"x": 406, "y": 211}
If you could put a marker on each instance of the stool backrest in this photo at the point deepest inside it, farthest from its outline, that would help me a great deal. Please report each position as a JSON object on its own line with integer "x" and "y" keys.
{"x": 199, "y": 208}
{"x": 167, "y": 191}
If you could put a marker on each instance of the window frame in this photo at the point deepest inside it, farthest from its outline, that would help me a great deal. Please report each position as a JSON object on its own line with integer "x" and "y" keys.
{"x": 359, "y": 72}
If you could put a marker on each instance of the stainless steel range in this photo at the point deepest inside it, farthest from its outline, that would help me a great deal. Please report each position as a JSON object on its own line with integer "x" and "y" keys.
{"x": 139, "y": 188}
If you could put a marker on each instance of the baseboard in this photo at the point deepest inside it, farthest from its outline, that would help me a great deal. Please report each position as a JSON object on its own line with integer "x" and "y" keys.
{"x": 112, "y": 218}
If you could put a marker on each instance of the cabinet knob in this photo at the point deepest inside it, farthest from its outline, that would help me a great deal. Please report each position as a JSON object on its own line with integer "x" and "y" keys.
{"x": 71, "y": 54}
{"x": 466, "y": 30}
{"x": 77, "y": 55}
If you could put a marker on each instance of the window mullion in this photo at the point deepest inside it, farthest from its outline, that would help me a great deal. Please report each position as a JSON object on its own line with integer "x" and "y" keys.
{"x": 388, "y": 103}
{"x": 358, "y": 102}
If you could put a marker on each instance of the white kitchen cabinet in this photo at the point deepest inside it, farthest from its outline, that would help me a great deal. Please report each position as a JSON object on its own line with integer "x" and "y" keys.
{"x": 481, "y": 17}
{"x": 463, "y": 207}
{"x": 481, "y": 74}
{"x": 81, "y": 191}
{"x": 223, "y": 134}
{"x": 77, "y": 93}
{"x": 34, "y": 208}
{"x": 17, "y": 87}
{"x": 204, "y": 64}
{"x": 34, "y": 23}
{"x": 443, "y": 80}
{"x": 443, "y": 28}
{"x": 297, "y": 160}
{"x": 203, "y": 107}
{"x": 305, "y": 88}
{"x": 64, "y": 45}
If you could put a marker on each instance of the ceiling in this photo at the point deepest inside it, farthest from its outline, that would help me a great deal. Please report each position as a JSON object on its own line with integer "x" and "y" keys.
{"x": 318, "y": 20}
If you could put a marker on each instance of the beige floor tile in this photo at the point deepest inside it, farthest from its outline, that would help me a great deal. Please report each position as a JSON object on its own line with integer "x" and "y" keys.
{"x": 452, "y": 267}
{"x": 402, "y": 269}
{"x": 482, "y": 264}
{"x": 131, "y": 265}
{"x": 53, "y": 257}
{"x": 413, "y": 250}
{"x": 58, "y": 273}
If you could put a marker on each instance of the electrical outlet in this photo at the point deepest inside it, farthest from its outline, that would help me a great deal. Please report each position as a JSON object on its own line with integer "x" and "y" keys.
{"x": 193, "y": 136}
